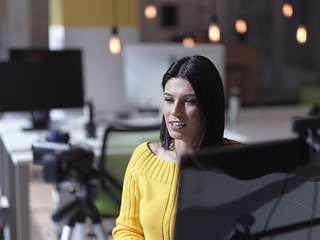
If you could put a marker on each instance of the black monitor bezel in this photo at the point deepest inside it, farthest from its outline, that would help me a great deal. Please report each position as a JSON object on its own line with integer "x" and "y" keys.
{"x": 44, "y": 56}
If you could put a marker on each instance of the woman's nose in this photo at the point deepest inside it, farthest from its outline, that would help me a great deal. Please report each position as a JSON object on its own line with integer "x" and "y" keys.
{"x": 177, "y": 110}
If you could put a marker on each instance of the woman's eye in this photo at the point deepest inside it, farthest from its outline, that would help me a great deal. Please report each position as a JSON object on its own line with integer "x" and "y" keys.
{"x": 190, "y": 101}
{"x": 168, "y": 100}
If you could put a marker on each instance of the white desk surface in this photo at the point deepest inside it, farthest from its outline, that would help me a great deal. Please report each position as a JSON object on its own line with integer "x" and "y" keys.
{"x": 18, "y": 142}
{"x": 263, "y": 124}
{"x": 255, "y": 125}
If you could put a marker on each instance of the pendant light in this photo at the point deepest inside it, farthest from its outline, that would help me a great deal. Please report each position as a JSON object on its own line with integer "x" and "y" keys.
{"x": 287, "y": 9}
{"x": 114, "y": 42}
{"x": 302, "y": 32}
{"x": 214, "y": 30}
{"x": 188, "y": 42}
{"x": 150, "y": 10}
{"x": 241, "y": 26}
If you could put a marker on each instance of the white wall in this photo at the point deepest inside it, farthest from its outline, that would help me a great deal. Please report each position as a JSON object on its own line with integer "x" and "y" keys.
{"x": 103, "y": 72}
{"x": 3, "y": 40}
{"x": 146, "y": 63}
{"x": 14, "y": 25}
{"x": 103, "y": 76}
{"x": 18, "y": 23}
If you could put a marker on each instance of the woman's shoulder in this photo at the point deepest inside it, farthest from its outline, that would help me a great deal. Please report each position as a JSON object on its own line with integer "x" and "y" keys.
{"x": 232, "y": 143}
{"x": 155, "y": 148}
{"x": 145, "y": 161}
{"x": 145, "y": 152}
{"x": 142, "y": 149}
{"x": 138, "y": 156}
{"x": 164, "y": 154}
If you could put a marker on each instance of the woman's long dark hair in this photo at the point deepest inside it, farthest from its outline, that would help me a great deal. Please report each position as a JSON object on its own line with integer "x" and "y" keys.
{"x": 207, "y": 85}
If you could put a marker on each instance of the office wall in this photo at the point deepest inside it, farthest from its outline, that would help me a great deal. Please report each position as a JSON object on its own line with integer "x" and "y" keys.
{"x": 18, "y": 23}
{"x": 39, "y": 23}
{"x": 3, "y": 41}
{"x": 191, "y": 16}
{"x": 103, "y": 72}
{"x": 88, "y": 26}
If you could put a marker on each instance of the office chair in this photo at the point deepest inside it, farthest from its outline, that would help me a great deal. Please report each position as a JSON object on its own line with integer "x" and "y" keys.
{"x": 119, "y": 142}
{"x": 310, "y": 95}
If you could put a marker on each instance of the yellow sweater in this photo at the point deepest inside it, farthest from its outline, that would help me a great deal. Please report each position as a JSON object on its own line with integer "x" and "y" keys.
{"x": 149, "y": 198}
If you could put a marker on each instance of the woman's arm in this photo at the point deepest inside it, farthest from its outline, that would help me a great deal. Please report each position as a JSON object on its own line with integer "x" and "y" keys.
{"x": 128, "y": 222}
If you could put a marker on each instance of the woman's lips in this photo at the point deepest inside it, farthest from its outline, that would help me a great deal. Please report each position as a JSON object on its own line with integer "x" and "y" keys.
{"x": 177, "y": 125}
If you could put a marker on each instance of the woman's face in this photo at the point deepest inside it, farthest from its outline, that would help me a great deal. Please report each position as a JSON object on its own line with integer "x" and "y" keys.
{"x": 181, "y": 112}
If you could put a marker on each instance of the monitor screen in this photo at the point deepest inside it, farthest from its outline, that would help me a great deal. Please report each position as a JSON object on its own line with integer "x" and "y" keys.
{"x": 41, "y": 80}
{"x": 268, "y": 198}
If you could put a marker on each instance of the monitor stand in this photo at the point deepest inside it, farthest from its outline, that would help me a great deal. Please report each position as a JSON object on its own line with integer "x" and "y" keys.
{"x": 40, "y": 120}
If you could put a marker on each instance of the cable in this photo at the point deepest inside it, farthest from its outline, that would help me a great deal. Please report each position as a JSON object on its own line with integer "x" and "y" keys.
{"x": 314, "y": 156}
{"x": 114, "y": 13}
{"x": 314, "y": 207}
{"x": 285, "y": 182}
{"x": 284, "y": 199}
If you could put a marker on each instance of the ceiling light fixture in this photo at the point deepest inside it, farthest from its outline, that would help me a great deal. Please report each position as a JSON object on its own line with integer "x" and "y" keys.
{"x": 188, "y": 42}
{"x": 150, "y": 11}
{"x": 114, "y": 42}
{"x": 302, "y": 32}
{"x": 287, "y": 9}
{"x": 214, "y": 30}
{"x": 241, "y": 26}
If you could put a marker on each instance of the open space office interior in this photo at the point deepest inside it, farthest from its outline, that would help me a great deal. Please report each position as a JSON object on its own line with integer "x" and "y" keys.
{"x": 74, "y": 72}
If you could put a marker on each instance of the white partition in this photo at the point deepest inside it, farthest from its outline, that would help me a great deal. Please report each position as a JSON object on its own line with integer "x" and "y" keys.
{"x": 144, "y": 65}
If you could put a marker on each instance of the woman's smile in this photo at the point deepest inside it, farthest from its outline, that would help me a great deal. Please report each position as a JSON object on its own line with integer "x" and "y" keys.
{"x": 177, "y": 125}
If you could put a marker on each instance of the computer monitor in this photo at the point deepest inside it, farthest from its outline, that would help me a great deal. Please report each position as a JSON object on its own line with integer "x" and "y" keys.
{"x": 39, "y": 80}
{"x": 144, "y": 65}
{"x": 270, "y": 189}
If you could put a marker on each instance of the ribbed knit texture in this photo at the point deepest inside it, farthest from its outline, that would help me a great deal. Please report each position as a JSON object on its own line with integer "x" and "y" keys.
{"x": 149, "y": 198}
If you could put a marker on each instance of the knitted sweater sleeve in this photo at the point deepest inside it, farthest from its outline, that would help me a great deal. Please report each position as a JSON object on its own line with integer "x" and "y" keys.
{"x": 128, "y": 224}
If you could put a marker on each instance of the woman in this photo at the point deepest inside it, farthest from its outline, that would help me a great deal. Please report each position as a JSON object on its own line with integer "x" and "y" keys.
{"x": 193, "y": 118}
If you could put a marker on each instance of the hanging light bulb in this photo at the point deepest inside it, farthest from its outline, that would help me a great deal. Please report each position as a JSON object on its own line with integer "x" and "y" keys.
{"x": 188, "y": 42}
{"x": 150, "y": 11}
{"x": 114, "y": 43}
{"x": 287, "y": 9}
{"x": 214, "y": 30}
{"x": 302, "y": 33}
{"x": 241, "y": 26}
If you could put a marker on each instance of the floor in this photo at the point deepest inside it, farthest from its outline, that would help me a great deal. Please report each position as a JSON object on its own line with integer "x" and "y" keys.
{"x": 41, "y": 208}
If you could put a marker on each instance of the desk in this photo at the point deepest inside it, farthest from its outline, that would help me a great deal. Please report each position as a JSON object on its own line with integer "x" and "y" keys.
{"x": 15, "y": 157}
{"x": 255, "y": 125}
{"x": 264, "y": 124}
